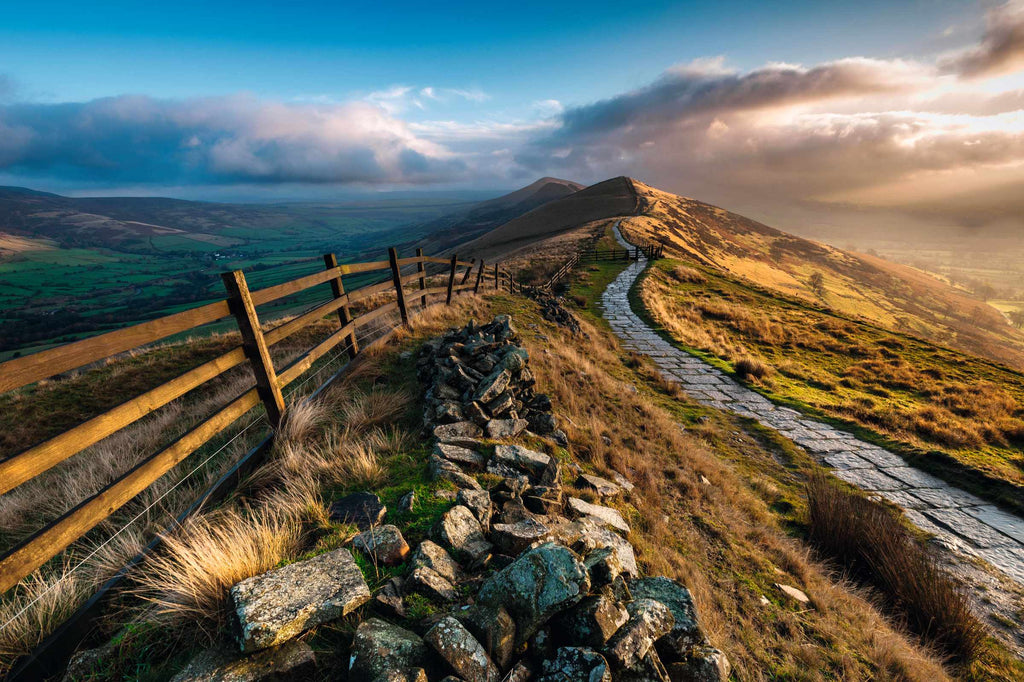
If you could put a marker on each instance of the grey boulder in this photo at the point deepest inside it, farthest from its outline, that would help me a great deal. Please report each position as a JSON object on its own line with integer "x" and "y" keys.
{"x": 382, "y": 652}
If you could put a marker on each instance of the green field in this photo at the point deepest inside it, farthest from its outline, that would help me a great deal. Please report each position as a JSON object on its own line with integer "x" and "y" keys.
{"x": 49, "y": 297}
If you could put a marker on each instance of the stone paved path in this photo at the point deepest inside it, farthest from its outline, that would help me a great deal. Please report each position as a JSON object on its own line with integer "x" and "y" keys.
{"x": 960, "y": 520}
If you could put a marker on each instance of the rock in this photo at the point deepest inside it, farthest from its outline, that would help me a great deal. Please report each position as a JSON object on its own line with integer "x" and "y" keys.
{"x": 705, "y": 664}
{"x": 407, "y": 502}
{"x": 493, "y": 385}
{"x": 592, "y": 622}
{"x": 433, "y": 556}
{"x": 537, "y": 585}
{"x": 501, "y": 406}
{"x": 459, "y": 648}
{"x": 513, "y": 538}
{"x": 475, "y": 413}
{"x": 382, "y": 652}
{"x": 479, "y": 502}
{"x": 518, "y": 457}
{"x": 494, "y": 629}
{"x": 647, "y": 669}
{"x": 514, "y": 511}
{"x": 503, "y": 470}
{"x": 461, "y": 532}
{"x": 685, "y": 631}
{"x": 648, "y": 622}
{"x": 464, "y": 457}
{"x": 598, "y": 513}
{"x": 457, "y": 432}
{"x": 603, "y": 487}
{"x": 560, "y": 437}
{"x": 443, "y": 470}
{"x": 432, "y": 585}
{"x": 603, "y": 565}
{"x": 542, "y": 423}
{"x": 364, "y": 510}
{"x": 86, "y": 664}
{"x": 274, "y": 607}
{"x": 540, "y": 403}
{"x": 793, "y": 593}
{"x": 388, "y": 601}
{"x": 497, "y": 429}
{"x": 291, "y": 661}
{"x": 543, "y": 504}
{"x": 585, "y": 535}
{"x": 385, "y": 545}
{"x": 448, "y": 412}
{"x": 515, "y": 359}
{"x": 520, "y": 672}
{"x": 576, "y": 664}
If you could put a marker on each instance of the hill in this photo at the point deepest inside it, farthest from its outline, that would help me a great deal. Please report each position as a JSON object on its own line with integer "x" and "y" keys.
{"x": 857, "y": 285}
{"x": 465, "y": 225}
{"x": 606, "y": 199}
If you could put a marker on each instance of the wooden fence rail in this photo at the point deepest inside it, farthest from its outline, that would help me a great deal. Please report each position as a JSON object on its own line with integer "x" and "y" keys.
{"x": 241, "y": 304}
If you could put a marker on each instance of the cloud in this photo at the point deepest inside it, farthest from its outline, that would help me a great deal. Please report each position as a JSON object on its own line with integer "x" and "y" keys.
{"x": 218, "y": 140}
{"x": 872, "y": 133}
{"x": 1001, "y": 49}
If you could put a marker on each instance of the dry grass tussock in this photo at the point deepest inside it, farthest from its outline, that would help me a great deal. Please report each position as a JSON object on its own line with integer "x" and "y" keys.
{"x": 869, "y": 540}
{"x": 699, "y": 521}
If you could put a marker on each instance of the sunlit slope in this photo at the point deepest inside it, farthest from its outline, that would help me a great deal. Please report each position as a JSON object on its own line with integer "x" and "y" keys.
{"x": 894, "y": 296}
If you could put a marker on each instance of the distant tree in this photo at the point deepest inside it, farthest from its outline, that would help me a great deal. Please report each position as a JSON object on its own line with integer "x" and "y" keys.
{"x": 1017, "y": 318}
{"x": 985, "y": 291}
{"x": 817, "y": 284}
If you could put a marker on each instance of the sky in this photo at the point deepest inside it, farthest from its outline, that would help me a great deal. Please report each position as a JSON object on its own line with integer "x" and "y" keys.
{"x": 783, "y": 109}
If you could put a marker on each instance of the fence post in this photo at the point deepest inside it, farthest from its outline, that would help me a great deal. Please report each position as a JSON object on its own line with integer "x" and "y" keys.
{"x": 396, "y": 275}
{"x": 240, "y": 303}
{"x": 344, "y": 315}
{"x": 479, "y": 276}
{"x": 465, "y": 278}
{"x": 451, "y": 279}
{"x": 495, "y": 276}
{"x": 421, "y": 268}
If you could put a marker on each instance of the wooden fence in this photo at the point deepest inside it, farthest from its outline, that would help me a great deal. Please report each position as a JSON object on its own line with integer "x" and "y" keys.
{"x": 241, "y": 304}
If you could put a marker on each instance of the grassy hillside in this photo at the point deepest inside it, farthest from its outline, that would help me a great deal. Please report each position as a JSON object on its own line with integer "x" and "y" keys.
{"x": 856, "y": 285}
{"x": 944, "y": 407}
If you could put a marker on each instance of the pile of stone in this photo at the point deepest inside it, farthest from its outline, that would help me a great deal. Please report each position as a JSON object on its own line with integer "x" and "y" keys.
{"x": 553, "y": 310}
{"x": 479, "y": 384}
{"x": 525, "y": 579}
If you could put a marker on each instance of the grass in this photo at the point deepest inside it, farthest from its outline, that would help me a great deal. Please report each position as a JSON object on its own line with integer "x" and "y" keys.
{"x": 948, "y": 412}
{"x": 717, "y": 506}
{"x": 869, "y": 539}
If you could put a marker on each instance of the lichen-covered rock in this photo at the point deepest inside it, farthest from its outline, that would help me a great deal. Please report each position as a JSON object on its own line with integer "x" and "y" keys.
{"x": 408, "y": 502}
{"x": 433, "y": 556}
{"x": 648, "y": 622}
{"x": 454, "y": 643}
{"x": 647, "y": 669}
{"x": 458, "y": 432}
{"x": 383, "y": 652}
{"x": 292, "y": 661}
{"x": 497, "y": 429}
{"x": 703, "y": 664}
{"x": 524, "y": 459}
{"x": 536, "y": 586}
{"x": 585, "y": 536}
{"x": 592, "y": 622}
{"x": 461, "y": 532}
{"x": 686, "y": 631}
{"x": 442, "y": 469}
{"x": 598, "y": 513}
{"x": 603, "y": 565}
{"x": 274, "y": 607}
{"x": 513, "y": 538}
{"x": 493, "y": 385}
{"x": 388, "y": 600}
{"x": 542, "y": 423}
{"x": 364, "y": 510}
{"x": 494, "y": 628}
{"x": 431, "y": 585}
{"x": 602, "y": 486}
{"x": 576, "y": 664}
{"x": 479, "y": 502}
{"x": 464, "y": 457}
{"x": 385, "y": 545}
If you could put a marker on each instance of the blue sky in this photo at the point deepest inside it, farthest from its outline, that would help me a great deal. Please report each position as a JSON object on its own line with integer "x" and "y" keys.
{"x": 911, "y": 106}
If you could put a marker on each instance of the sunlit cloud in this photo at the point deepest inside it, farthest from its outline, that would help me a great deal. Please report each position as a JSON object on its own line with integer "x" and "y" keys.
{"x": 1001, "y": 49}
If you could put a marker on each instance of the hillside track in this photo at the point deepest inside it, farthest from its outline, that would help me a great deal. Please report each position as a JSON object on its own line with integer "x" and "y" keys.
{"x": 960, "y": 521}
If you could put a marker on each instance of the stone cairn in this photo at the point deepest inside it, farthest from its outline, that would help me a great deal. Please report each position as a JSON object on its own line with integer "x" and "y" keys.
{"x": 525, "y": 581}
